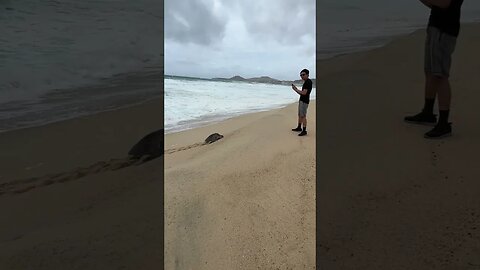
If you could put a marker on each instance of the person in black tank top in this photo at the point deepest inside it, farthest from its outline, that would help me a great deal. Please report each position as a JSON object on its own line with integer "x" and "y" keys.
{"x": 303, "y": 102}
{"x": 442, "y": 32}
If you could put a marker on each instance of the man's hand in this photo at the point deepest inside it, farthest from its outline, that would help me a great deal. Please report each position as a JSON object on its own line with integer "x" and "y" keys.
{"x": 302, "y": 92}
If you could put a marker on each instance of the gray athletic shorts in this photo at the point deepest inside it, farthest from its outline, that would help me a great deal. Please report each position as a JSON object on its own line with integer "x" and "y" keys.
{"x": 302, "y": 109}
{"x": 439, "y": 47}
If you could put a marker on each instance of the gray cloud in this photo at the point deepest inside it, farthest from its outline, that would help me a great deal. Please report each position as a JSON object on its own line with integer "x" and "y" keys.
{"x": 193, "y": 21}
{"x": 282, "y": 20}
{"x": 249, "y": 38}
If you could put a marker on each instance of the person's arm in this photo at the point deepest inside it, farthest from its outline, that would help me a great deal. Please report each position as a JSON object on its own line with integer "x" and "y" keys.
{"x": 302, "y": 93}
{"x": 437, "y": 3}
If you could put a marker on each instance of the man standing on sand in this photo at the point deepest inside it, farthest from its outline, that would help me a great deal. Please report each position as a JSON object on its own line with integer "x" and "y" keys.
{"x": 303, "y": 102}
{"x": 442, "y": 32}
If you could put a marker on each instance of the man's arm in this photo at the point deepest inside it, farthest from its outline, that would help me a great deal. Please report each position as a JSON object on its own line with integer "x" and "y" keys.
{"x": 437, "y": 3}
{"x": 302, "y": 93}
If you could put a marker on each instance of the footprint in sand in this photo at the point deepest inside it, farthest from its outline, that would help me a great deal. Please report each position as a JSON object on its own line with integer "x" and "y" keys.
{"x": 210, "y": 139}
{"x": 25, "y": 185}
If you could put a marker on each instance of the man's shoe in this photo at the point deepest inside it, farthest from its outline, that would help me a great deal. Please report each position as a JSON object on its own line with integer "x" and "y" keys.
{"x": 303, "y": 133}
{"x": 296, "y": 129}
{"x": 422, "y": 118}
{"x": 439, "y": 131}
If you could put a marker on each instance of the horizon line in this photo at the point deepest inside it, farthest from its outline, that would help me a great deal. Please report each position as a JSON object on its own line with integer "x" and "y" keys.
{"x": 232, "y": 77}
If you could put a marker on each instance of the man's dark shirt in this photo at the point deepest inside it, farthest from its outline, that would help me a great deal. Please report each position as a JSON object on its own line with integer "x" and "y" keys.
{"x": 306, "y": 85}
{"x": 447, "y": 20}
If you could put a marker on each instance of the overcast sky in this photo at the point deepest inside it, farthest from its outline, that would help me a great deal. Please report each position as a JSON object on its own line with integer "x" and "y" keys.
{"x": 250, "y": 38}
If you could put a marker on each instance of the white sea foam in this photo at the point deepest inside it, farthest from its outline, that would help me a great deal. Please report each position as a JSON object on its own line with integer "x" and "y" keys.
{"x": 189, "y": 103}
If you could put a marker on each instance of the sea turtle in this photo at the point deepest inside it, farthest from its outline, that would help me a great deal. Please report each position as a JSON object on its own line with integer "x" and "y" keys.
{"x": 213, "y": 138}
{"x": 150, "y": 146}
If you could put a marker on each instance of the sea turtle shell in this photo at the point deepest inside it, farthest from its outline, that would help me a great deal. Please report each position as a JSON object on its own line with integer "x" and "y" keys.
{"x": 151, "y": 145}
{"x": 213, "y": 138}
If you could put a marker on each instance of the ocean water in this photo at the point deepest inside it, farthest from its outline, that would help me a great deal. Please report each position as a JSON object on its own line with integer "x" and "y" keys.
{"x": 61, "y": 59}
{"x": 193, "y": 102}
{"x": 348, "y": 26}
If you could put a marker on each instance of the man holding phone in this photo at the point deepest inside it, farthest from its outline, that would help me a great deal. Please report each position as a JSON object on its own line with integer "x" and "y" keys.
{"x": 303, "y": 101}
{"x": 442, "y": 32}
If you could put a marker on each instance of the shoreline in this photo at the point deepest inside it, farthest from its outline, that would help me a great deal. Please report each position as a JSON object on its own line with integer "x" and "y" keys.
{"x": 80, "y": 116}
{"x": 192, "y": 123}
{"x": 372, "y": 43}
{"x": 64, "y": 145}
{"x": 388, "y": 39}
{"x": 221, "y": 118}
{"x": 68, "y": 127}
{"x": 140, "y": 103}
{"x": 55, "y": 105}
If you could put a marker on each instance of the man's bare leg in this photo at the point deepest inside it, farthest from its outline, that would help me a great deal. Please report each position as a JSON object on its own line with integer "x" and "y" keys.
{"x": 299, "y": 125}
{"x": 304, "y": 122}
{"x": 430, "y": 88}
{"x": 444, "y": 93}
{"x": 441, "y": 85}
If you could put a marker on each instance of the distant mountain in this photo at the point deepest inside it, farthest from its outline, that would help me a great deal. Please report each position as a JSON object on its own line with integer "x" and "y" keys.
{"x": 262, "y": 79}
{"x": 238, "y": 78}
{"x": 314, "y": 82}
{"x": 234, "y": 78}
{"x": 265, "y": 79}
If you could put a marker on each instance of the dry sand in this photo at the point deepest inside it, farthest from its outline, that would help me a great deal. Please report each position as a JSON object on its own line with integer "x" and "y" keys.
{"x": 246, "y": 201}
{"x": 390, "y": 199}
{"x": 68, "y": 204}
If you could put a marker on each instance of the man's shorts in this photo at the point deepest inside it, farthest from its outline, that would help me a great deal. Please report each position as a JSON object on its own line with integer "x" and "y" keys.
{"x": 302, "y": 109}
{"x": 439, "y": 47}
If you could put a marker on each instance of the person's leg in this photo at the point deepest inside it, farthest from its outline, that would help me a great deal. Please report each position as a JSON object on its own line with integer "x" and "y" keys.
{"x": 304, "y": 119}
{"x": 431, "y": 63}
{"x": 440, "y": 86}
{"x": 426, "y": 115}
{"x": 300, "y": 120}
{"x": 304, "y": 122}
{"x": 443, "y": 127}
{"x": 299, "y": 125}
{"x": 430, "y": 93}
{"x": 444, "y": 98}
{"x": 444, "y": 93}
{"x": 430, "y": 90}
{"x": 442, "y": 55}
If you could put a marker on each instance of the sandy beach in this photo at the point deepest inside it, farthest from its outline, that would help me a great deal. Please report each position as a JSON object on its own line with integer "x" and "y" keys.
{"x": 66, "y": 201}
{"x": 390, "y": 199}
{"x": 71, "y": 201}
{"x": 246, "y": 201}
